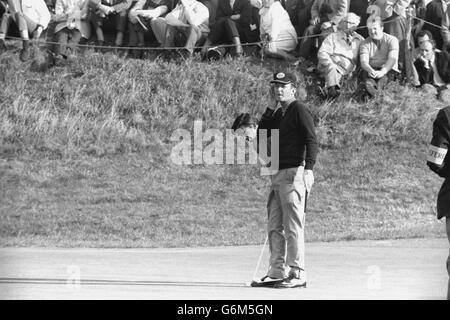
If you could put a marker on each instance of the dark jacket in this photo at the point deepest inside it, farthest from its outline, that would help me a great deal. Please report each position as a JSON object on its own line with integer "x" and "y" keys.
{"x": 441, "y": 140}
{"x": 434, "y": 15}
{"x": 442, "y": 60}
{"x": 297, "y": 137}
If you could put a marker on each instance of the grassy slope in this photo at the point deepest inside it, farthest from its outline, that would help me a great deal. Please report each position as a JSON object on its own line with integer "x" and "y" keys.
{"x": 84, "y": 158}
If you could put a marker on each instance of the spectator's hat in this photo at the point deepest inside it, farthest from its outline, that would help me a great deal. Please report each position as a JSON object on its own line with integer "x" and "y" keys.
{"x": 284, "y": 78}
{"x": 352, "y": 18}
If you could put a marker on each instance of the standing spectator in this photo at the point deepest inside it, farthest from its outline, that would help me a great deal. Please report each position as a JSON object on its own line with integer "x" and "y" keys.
{"x": 378, "y": 58}
{"x": 393, "y": 14}
{"x": 116, "y": 9}
{"x": 234, "y": 25}
{"x": 435, "y": 12}
{"x": 277, "y": 31}
{"x": 143, "y": 18}
{"x": 338, "y": 54}
{"x": 359, "y": 7}
{"x": 303, "y": 16}
{"x": 438, "y": 161}
{"x": 325, "y": 14}
{"x": 31, "y": 16}
{"x": 189, "y": 18}
{"x": 446, "y": 30}
{"x": 71, "y": 27}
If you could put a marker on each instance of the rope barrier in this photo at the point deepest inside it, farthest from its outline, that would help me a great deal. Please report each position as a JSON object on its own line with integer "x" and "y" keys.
{"x": 257, "y": 43}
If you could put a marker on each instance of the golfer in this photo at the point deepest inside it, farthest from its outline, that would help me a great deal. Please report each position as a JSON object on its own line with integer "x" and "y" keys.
{"x": 438, "y": 160}
{"x": 290, "y": 184}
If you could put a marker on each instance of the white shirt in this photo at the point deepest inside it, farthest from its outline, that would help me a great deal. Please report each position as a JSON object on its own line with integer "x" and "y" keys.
{"x": 35, "y": 10}
{"x": 275, "y": 20}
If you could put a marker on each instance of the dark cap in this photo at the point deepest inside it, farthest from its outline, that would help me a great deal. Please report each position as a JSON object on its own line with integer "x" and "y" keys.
{"x": 284, "y": 78}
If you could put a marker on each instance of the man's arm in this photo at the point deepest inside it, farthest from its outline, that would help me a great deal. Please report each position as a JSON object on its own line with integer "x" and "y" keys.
{"x": 308, "y": 134}
{"x": 43, "y": 13}
{"x": 392, "y": 56}
{"x": 153, "y": 13}
{"x": 364, "y": 58}
{"x": 122, "y": 6}
{"x": 437, "y": 151}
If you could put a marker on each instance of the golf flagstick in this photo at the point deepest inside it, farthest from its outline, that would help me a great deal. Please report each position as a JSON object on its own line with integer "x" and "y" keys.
{"x": 259, "y": 260}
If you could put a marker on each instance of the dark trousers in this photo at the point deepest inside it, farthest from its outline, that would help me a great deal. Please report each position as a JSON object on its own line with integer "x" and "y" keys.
{"x": 367, "y": 82}
{"x": 303, "y": 16}
{"x": 67, "y": 40}
{"x": 396, "y": 26}
{"x": 193, "y": 36}
{"x": 224, "y": 30}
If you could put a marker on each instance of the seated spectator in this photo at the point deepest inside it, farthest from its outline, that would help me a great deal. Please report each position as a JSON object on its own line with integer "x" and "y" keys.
{"x": 234, "y": 24}
{"x": 31, "y": 16}
{"x": 189, "y": 18}
{"x": 303, "y": 16}
{"x": 434, "y": 14}
{"x": 423, "y": 36}
{"x": 143, "y": 17}
{"x": 276, "y": 31}
{"x": 72, "y": 26}
{"x": 116, "y": 9}
{"x": 378, "y": 58}
{"x": 338, "y": 54}
{"x": 433, "y": 67}
{"x": 393, "y": 14}
{"x": 324, "y": 15}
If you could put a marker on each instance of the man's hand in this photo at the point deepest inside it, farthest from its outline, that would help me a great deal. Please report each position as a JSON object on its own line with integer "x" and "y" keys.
{"x": 308, "y": 178}
{"x": 37, "y": 33}
{"x": 235, "y": 17}
{"x": 314, "y": 21}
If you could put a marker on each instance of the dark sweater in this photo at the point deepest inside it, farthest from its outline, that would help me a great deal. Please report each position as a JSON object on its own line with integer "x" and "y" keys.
{"x": 441, "y": 139}
{"x": 298, "y": 140}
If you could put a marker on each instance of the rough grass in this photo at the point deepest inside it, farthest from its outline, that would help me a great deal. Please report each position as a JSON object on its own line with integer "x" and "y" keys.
{"x": 85, "y": 150}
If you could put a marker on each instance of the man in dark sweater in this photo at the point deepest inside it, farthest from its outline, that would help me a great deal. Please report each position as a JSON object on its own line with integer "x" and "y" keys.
{"x": 291, "y": 183}
{"x": 438, "y": 160}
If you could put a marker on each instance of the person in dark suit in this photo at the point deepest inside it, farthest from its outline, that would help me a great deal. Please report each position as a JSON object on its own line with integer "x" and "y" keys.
{"x": 359, "y": 7}
{"x": 433, "y": 66}
{"x": 234, "y": 24}
{"x": 434, "y": 14}
{"x": 438, "y": 161}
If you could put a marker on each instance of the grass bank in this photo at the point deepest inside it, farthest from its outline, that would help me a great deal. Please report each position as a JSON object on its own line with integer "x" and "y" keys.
{"x": 85, "y": 159}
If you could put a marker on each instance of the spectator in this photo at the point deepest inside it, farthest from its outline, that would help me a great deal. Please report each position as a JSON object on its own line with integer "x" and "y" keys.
{"x": 72, "y": 26}
{"x": 234, "y": 25}
{"x": 31, "y": 16}
{"x": 189, "y": 18}
{"x": 433, "y": 67}
{"x": 324, "y": 15}
{"x": 446, "y": 30}
{"x": 393, "y": 14}
{"x": 378, "y": 58}
{"x": 276, "y": 31}
{"x": 143, "y": 17}
{"x": 117, "y": 9}
{"x": 359, "y": 7}
{"x": 434, "y": 14}
{"x": 303, "y": 16}
{"x": 338, "y": 54}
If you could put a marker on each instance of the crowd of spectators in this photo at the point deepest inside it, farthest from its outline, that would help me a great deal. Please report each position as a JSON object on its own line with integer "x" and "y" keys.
{"x": 337, "y": 38}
